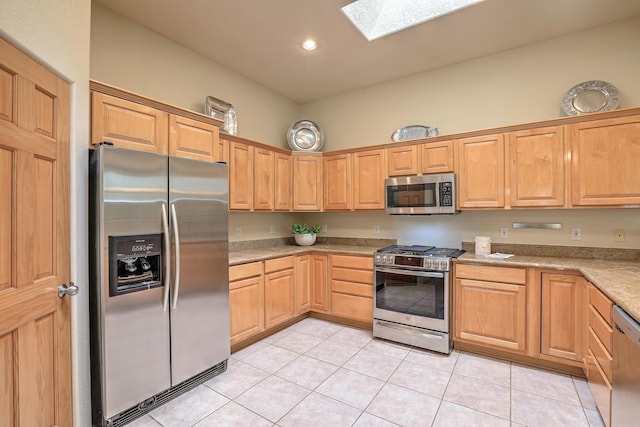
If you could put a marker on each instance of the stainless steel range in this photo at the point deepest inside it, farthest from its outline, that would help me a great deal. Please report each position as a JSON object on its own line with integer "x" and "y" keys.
{"x": 411, "y": 302}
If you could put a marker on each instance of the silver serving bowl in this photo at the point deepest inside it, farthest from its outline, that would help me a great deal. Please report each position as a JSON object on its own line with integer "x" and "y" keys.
{"x": 305, "y": 135}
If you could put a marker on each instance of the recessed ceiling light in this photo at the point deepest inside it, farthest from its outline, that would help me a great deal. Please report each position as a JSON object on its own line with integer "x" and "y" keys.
{"x": 309, "y": 44}
{"x": 378, "y": 18}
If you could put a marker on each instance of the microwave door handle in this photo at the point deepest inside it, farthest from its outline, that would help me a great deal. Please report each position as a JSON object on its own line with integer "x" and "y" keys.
{"x": 176, "y": 240}
{"x": 411, "y": 273}
{"x": 167, "y": 260}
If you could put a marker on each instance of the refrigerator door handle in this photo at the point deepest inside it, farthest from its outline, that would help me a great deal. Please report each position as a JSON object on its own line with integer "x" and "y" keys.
{"x": 167, "y": 261}
{"x": 176, "y": 239}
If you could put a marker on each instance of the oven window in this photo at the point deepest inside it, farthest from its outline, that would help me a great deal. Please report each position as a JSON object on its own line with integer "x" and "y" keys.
{"x": 411, "y": 195}
{"x": 421, "y": 296}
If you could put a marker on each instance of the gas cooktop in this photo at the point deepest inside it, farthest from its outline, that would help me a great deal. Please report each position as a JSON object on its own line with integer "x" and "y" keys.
{"x": 416, "y": 257}
{"x": 419, "y": 250}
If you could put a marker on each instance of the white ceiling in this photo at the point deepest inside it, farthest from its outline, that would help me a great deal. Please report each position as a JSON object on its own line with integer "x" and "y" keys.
{"x": 261, "y": 39}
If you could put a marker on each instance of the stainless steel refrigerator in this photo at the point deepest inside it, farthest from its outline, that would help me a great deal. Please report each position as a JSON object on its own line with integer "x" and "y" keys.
{"x": 159, "y": 291}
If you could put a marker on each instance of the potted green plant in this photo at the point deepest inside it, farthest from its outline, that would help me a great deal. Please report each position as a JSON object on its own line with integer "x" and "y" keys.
{"x": 305, "y": 235}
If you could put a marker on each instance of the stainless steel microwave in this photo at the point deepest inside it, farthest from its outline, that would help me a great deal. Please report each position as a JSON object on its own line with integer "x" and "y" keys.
{"x": 421, "y": 195}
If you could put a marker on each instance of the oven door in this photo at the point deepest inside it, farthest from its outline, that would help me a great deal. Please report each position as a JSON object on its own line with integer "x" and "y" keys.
{"x": 417, "y": 298}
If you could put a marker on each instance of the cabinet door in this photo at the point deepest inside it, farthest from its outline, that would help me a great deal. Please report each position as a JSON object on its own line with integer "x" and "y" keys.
{"x": 604, "y": 162}
{"x": 263, "y": 179}
{"x": 221, "y": 151}
{"x": 369, "y": 173}
{"x": 537, "y": 167}
{"x": 562, "y": 316}
{"x": 307, "y": 183}
{"x": 282, "y": 197}
{"x": 246, "y": 308}
{"x": 480, "y": 165}
{"x": 437, "y": 157}
{"x": 240, "y": 176}
{"x": 192, "y": 139}
{"x": 337, "y": 182}
{"x": 128, "y": 124}
{"x": 319, "y": 284}
{"x": 491, "y": 314}
{"x": 279, "y": 297}
{"x": 403, "y": 161}
{"x": 351, "y": 281}
{"x": 303, "y": 283}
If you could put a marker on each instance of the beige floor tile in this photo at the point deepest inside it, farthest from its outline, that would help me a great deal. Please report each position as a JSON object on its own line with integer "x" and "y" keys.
{"x": 234, "y": 415}
{"x": 272, "y": 398}
{"x": 351, "y": 388}
{"x": 483, "y": 368}
{"x": 352, "y": 336}
{"x": 451, "y": 414}
{"x": 403, "y": 406}
{"x": 544, "y": 383}
{"x": 368, "y": 420}
{"x": 239, "y": 378}
{"x": 317, "y": 327}
{"x": 480, "y": 395}
{"x": 145, "y": 421}
{"x": 317, "y": 410}
{"x": 584, "y": 393}
{"x": 189, "y": 408}
{"x": 422, "y": 378}
{"x": 298, "y": 342}
{"x": 307, "y": 372}
{"x": 594, "y": 418}
{"x": 241, "y": 354}
{"x": 444, "y": 362}
{"x": 333, "y": 352}
{"x": 270, "y": 358}
{"x": 387, "y": 348}
{"x": 278, "y": 335}
{"x": 373, "y": 364}
{"x": 537, "y": 411}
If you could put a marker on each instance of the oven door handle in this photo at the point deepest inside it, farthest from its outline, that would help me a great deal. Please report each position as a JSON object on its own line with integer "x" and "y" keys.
{"x": 410, "y": 272}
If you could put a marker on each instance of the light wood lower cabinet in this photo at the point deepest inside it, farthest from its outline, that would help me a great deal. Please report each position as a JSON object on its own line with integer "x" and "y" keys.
{"x": 246, "y": 300}
{"x": 279, "y": 290}
{"x": 303, "y": 283}
{"x": 319, "y": 284}
{"x": 599, "y": 359}
{"x": 491, "y": 307}
{"x": 351, "y": 284}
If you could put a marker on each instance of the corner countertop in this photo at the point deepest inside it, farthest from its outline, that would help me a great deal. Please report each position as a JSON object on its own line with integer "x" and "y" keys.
{"x": 619, "y": 280}
{"x": 259, "y": 254}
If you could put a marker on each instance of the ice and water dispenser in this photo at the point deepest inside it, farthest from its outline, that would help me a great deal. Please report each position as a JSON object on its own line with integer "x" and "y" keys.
{"x": 135, "y": 263}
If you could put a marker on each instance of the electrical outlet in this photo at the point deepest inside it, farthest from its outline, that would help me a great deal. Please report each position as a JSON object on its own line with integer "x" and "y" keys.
{"x": 376, "y": 229}
{"x": 238, "y": 231}
{"x": 576, "y": 234}
{"x": 324, "y": 228}
{"x": 504, "y": 233}
{"x": 272, "y": 229}
{"x": 618, "y": 235}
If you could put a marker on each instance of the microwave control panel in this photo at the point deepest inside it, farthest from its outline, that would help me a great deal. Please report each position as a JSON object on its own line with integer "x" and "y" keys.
{"x": 446, "y": 194}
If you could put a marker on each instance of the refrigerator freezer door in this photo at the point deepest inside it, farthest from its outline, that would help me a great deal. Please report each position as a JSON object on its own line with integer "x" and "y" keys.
{"x": 198, "y": 192}
{"x": 134, "y": 327}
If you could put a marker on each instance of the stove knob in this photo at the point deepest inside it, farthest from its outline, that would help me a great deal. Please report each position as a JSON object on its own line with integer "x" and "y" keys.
{"x": 390, "y": 261}
{"x": 443, "y": 264}
{"x": 427, "y": 263}
{"x": 377, "y": 259}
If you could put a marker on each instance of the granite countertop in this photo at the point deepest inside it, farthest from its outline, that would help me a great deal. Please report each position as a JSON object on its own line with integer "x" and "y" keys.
{"x": 259, "y": 254}
{"x": 619, "y": 280}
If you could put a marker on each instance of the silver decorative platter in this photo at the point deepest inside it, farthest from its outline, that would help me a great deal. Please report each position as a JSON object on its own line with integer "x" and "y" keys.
{"x": 305, "y": 135}
{"x": 413, "y": 132}
{"x": 592, "y": 96}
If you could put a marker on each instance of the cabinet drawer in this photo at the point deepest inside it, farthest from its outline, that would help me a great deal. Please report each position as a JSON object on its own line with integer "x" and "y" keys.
{"x": 358, "y": 276}
{"x": 242, "y": 271}
{"x": 352, "y": 307}
{"x": 353, "y": 262}
{"x": 601, "y": 391}
{"x": 601, "y": 328}
{"x": 278, "y": 264}
{"x": 601, "y": 303}
{"x": 516, "y": 276}
{"x": 600, "y": 354}
{"x": 359, "y": 289}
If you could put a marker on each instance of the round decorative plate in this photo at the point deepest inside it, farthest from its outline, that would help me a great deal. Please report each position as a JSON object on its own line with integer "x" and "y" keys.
{"x": 590, "y": 97}
{"x": 305, "y": 135}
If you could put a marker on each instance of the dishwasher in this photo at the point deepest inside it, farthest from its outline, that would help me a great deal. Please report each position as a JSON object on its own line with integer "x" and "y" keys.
{"x": 625, "y": 399}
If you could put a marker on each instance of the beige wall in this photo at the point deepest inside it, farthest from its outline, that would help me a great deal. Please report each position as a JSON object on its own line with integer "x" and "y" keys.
{"x": 57, "y": 33}
{"x": 515, "y": 86}
{"x": 128, "y": 56}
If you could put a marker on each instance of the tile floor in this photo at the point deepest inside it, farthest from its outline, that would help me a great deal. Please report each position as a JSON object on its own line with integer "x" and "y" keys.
{"x": 318, "y": 373}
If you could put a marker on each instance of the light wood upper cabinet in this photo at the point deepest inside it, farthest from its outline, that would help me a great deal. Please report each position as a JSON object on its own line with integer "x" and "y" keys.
{"x": 437, "y": 157}
{"x": 536, "y": 165}
{"x": 128, "y": 124}
{"x": 604, "y": 162}
{"x": 279, "y": 290}
{"x": 263, "y": 179}
{"x": 283, "y": 193}
{"x": 246, "y": 300}
{"x": 319, "y": 284}
{"x": 240, "y": 176}
{"x": 563, "y": 316}
{"x": 480, "y": 169}
{"x": 193, "y": 139}
{"x": 337, "y": 182}
{"x": 307, "y": 182}
{"x": 403, "y": 161}
{"x": 369, "y": 173}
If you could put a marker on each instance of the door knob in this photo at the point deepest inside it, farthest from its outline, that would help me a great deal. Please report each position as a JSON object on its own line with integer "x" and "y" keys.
{"x": 70, "y": 290}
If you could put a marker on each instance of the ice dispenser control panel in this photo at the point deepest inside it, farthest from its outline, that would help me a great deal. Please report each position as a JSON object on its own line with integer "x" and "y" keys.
{"x": 135, "y": 263}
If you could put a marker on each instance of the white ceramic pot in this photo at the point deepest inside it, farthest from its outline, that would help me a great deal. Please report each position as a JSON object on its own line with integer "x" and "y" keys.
{"x": 305, "y": 239}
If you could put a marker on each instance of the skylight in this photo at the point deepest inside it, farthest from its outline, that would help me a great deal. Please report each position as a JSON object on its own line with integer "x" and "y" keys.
{"x": 378, "y": 18}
